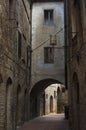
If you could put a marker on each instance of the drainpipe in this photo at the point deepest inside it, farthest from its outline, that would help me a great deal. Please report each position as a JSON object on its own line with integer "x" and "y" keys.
{"x": 65, "y": 35}
{"x": 30, "y": 58}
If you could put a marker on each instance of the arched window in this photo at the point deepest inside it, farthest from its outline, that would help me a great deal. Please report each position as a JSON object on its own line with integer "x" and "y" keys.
{"x": 10, "y": 9}
{"x": 55, "y": 94}
{"x": 9, "y": 104}
{"x": 25, "y": 105}
{"x": 9, "y": 82}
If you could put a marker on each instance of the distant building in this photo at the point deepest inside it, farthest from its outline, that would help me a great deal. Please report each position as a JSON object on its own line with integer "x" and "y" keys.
{"x": 52, "y": 100}
{"x": 55, "y": 99}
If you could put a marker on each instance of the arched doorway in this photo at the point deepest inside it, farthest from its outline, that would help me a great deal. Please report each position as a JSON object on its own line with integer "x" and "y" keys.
{"x": 9, "y": 104}
{"x": 25, "y": 106}
{"x": 44, "y": 103}
{"x": 51, "y": 104}
{"x": 76, "y": 106}
{"x": 19, "y": 105}
{"x": 58, "y": 100}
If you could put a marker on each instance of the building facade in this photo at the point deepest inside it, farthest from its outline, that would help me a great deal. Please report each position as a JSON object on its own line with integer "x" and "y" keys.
{"x": 76, "y": 55}
{"x": 15, "y": 48}
{"x": 47, "y": 41}
{"x": 47, "y": 48}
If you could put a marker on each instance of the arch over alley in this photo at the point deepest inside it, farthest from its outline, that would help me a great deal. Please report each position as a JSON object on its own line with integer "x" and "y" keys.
{"x": 40, "y": 103}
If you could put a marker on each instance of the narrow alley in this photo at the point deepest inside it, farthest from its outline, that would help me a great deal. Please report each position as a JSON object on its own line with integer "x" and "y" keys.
{"x": 48, "y": 122}
{"x": 42, "y": 64}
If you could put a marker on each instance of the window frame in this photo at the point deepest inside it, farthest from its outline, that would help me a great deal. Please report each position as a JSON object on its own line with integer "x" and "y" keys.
{"x": 48, "y": 55}
{"x": 48, "y": 16}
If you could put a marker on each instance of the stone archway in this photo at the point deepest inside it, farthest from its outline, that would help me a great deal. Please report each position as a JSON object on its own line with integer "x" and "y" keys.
{"x": 75, "y": 92}
{"x": 37, "y": 90}
{"x": 51, "y": 104}
{"x": 9, "y": 97}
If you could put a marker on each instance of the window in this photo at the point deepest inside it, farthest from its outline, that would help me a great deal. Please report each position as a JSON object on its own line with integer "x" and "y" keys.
{"x": 48, "y": 55}
{"x": 11, "y": 10}
{"x": 85, "y": 4}
{"x": 58, "y": 90}
{"x": 63, "y": 89}
{"x": 48, "y": 16}
{"x": 85, "y": 77}
{"x": 19, "y": 44}
{"x": 54, "y": 94}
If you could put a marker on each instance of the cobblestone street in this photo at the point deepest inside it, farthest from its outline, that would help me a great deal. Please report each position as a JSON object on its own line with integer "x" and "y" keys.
{"x": 49, "y": 122}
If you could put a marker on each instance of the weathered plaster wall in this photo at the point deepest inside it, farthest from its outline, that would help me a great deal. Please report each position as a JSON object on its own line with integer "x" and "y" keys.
{"x": 59, "y": 99}
{"x": 40, "y": 33}
{"x": 49, "y": 91}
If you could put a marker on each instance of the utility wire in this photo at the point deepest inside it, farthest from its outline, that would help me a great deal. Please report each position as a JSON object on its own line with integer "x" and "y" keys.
{"x": 62, "y": 47}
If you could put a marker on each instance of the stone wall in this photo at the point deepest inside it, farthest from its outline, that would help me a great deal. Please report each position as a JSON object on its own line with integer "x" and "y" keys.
{"x": 60, "y": 98}
{"x": 14, "y": 85}
{"x": 77, "y": 63}
{"x": 52, "y": 100}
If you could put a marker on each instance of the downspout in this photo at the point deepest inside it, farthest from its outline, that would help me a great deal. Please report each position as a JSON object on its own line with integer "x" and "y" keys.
{"x": 65, "y": 48}
{"x": 30, "y": 58}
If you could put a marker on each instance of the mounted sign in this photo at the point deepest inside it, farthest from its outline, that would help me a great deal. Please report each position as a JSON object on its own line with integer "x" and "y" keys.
{"x": 52, "y": 39}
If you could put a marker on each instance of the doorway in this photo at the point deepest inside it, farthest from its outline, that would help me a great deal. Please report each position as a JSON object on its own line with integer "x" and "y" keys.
{"x": 51, "y": 104}
{"x": 9, "y": 104}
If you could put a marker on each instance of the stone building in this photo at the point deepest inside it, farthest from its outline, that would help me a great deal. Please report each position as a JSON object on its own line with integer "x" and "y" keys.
{"x": 47, "y": 46}
{"x": 47, "y": 41}
{"x": 52, "y": 100}
{"x": 76, "y": 61}
{"x": 15, "y": 45}
{"x": 55, "y": 98}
